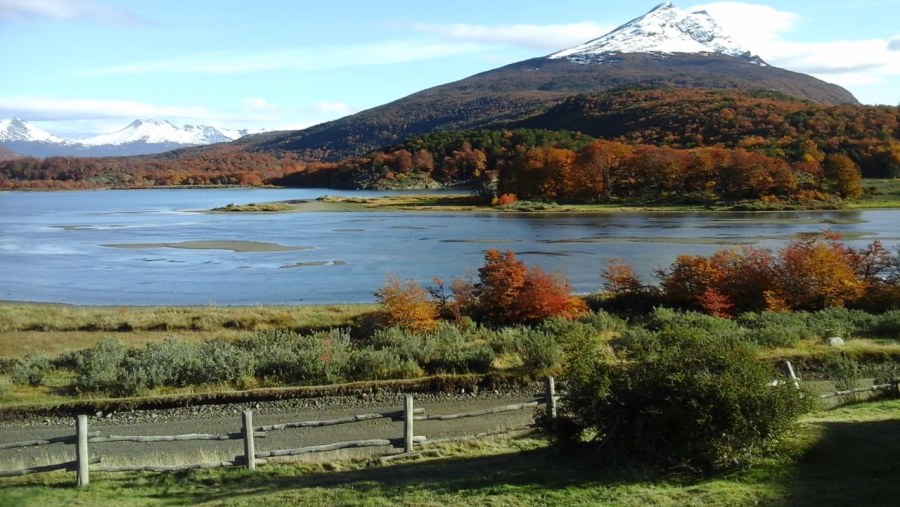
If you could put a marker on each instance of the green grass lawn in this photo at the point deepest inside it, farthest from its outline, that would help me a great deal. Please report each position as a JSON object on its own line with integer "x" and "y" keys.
{"x": 842, "y": 457}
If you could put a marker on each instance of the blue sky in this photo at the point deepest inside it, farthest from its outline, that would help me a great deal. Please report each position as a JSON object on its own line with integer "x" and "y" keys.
{"x": 82, "y": 67}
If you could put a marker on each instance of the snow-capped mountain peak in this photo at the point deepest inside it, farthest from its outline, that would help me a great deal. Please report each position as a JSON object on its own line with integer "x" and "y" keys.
{"x": 161, "y": 132}
{"x": 664, "y": 30}
{"x": 140, "y": 137}
{"x": 16, "y": 130}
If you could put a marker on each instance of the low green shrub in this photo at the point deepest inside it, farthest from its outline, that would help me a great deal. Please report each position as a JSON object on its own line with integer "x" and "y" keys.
{"x": 839, "y": 321}
{"x": 369, "y": 363}
{"x": 446, "y": 349}
{"x": 505, "y": 340}
{"x": 7, "y": 364}
{"x": 886, "y": 326}
{"x": 222, "y": 361}
{"x": 31, "y": 371}
{"x": 589, "y": 328}
{"x": 99, "y": 369}
{"x": 843, "y": 370}
{"x": 292, "y": 358}
{"x": 604, "y": 322}
{"x": 888, "y": 373}
{"x": 665, "y": 319}
{"x": 771, "y": 329}
{"x": 176, "y": 363}
{"x": 680, "y": 399}
{"x": 539, "y": 350}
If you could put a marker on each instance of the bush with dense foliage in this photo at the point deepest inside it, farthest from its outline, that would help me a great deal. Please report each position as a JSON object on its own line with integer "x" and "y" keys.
{"x": 30, "y": 371}
{"x": 406, "y": 304}
{"x": 677, "y": 398}
{"x": 807, "y": 274}
{"x": 508, "y": 292}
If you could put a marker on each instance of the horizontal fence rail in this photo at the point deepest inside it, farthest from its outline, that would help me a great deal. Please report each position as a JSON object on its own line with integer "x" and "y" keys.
{"x": 396, "y": 415}
{"x": 408, "y": 415}
{"x": 877, "y": 387}
{"x": 69, "y": 439}
{"x": 478, "y": 413}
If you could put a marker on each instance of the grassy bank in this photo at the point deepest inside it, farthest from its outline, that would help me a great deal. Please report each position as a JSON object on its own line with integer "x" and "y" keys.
{"x": 56, "y": 329}
{"x": 878, "y": 194}
{"x": 53, "y": 354}
{"x": 841, "y": 457}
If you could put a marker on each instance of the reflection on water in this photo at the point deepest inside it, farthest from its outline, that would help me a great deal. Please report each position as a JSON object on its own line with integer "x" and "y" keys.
{"x": 52, "y": 245}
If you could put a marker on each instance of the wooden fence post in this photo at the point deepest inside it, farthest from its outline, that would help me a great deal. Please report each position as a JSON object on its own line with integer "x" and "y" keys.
{"x": 249, "y": 444}
{"x": 408, "y": 409}
{"x": 789, "y": 369}
{"x": 82, "y": 477}
{"x": 550, "y": 393}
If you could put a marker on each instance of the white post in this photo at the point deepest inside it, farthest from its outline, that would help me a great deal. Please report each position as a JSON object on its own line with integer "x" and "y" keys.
{"x": 789, "y": 369}
{"x": 81, "y": 451}
{"x": 550, "y": 392}
{"x": 408, "y": 408}
{"x": 249, "y": 444}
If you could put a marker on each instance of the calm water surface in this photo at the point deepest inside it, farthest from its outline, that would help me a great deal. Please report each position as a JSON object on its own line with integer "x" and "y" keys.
{"x": 54, "y": 246}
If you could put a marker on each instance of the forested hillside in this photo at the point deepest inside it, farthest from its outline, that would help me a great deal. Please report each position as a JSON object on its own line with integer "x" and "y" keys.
{"x": 766, "y": 122}
{"x": 674, "y": 145}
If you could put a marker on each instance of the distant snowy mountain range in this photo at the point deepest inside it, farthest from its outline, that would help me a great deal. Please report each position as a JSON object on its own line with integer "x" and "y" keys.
{"x": 140, "y": 137}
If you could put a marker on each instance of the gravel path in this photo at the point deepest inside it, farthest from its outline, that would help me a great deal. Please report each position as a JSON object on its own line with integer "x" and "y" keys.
{"x": 227, "y": 418}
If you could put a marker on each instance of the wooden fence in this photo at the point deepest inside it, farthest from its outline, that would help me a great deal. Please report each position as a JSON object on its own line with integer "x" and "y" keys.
{"x": 874, "y": 388}
{"x": 788, "y": 370}
{"x": 251, "y": 458}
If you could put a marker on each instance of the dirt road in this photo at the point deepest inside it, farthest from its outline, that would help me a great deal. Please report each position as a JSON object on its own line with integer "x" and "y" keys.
{"x": 227, "y": 419}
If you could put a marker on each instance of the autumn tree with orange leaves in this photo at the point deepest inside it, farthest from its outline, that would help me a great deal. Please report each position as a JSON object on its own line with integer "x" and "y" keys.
{"x": 508, "y": 292}
{"x": 406, "y": 304}
{"x": 814, "y": 274}
{"x": 808, "y": 274}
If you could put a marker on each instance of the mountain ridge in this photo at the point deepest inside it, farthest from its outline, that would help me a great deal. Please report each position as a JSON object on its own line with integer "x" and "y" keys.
{"x": 640, "y": 53}
{"x": 140, "y": 137}
{"x": 514, "y": 92}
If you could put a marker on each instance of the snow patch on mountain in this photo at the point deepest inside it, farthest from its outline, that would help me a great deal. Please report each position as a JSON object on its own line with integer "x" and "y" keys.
{"x": 664, "y": 30}
{"x": 16, "y": 130}
{"x": 140, "y": 137}
{"x": 162, "y": 132}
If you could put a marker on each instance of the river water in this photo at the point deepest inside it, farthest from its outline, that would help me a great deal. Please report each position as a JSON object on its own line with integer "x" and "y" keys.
{"x": 159, "y": 247}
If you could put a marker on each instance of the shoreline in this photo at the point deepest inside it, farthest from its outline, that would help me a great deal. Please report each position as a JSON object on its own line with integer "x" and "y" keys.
{"x": 426, "y": 200}
{"x": 465, "y": 203}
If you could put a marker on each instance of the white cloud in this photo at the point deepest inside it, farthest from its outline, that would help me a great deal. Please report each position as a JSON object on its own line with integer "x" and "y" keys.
{"x": 71, "y": 118}
{"x": 537, "y": 37}
{"x": 62, "y": 10}
{"x": 296, "y": 59}
{"x": 765, "y": 30}
{"x": 757, "y": 27}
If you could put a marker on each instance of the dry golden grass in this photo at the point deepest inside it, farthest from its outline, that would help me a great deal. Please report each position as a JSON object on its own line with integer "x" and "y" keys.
{"x": 18, "y": 344}
{"x": 55, "y": 329}
{"x": 858, "y": 348}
